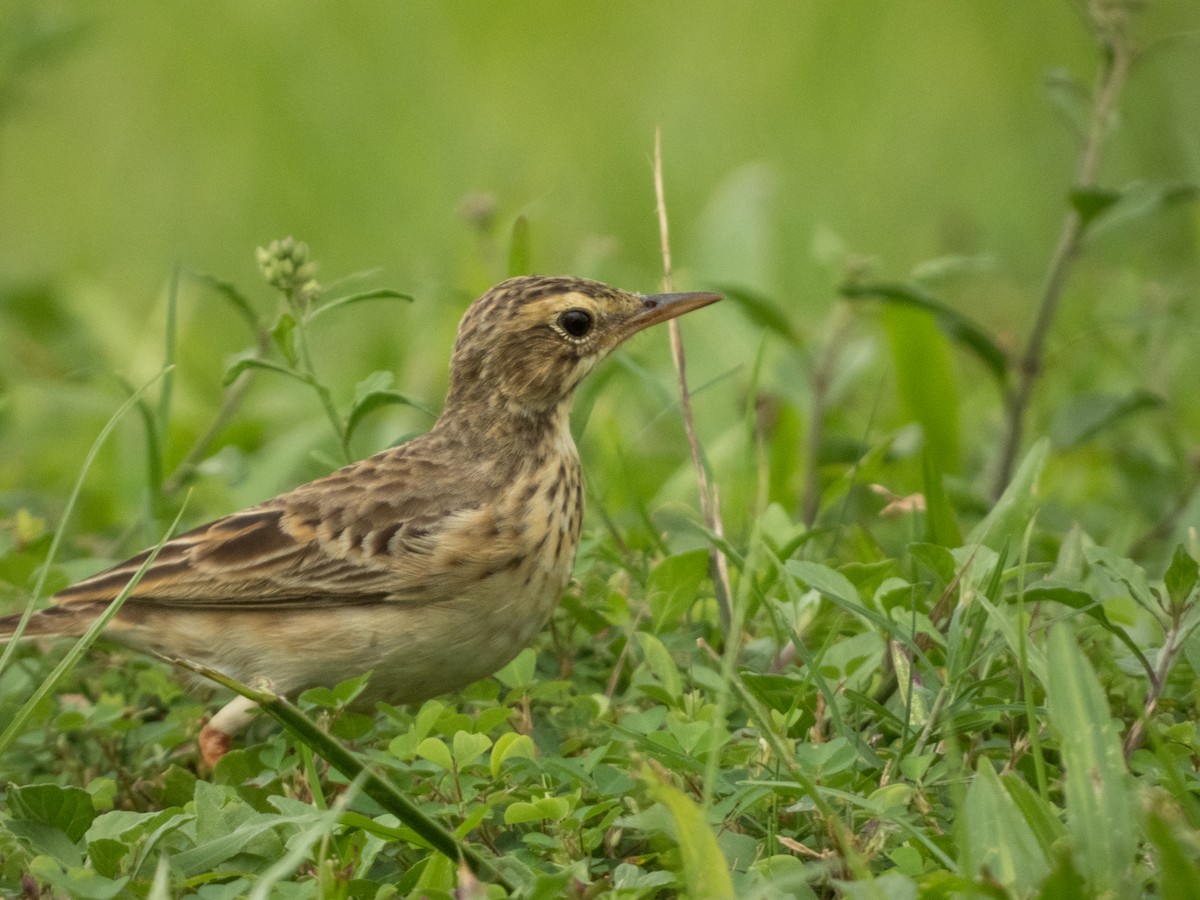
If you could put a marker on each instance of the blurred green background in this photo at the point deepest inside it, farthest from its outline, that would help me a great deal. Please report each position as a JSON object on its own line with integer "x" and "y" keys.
{"x": 404, "y": 140}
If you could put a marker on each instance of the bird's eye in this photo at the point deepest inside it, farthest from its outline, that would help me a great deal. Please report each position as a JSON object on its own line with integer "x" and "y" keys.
{"x": 575, "y": 322}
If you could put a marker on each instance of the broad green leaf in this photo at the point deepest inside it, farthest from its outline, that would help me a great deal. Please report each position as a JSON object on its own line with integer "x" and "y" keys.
{"x": 1178, "y": 873}
{"x": 834, "y": 586}
{"x": 997, "y": 843}
{"x": 762, "y": 312}
{"x": 1010, "y": 515}
{"x": 1091, "y": 202}
{"x": 376, "y": 400}
{"x": 673, "y": 586}
{"x": 1050, "y": 592}
{"x": 47, "y": 840}
{"x": 660, "y": 663}
{"x": 1126, "y": 572}
{"x": 283, "y": 334}
{"x": 511, "y": 745}
{"x": 554, "y": 809}
{"x": 1084, "y": 416}
{"x": 957, "y": 327}
{"x": 941, "y": 525}
{"x": 1007, "y": 628}
{"x": 1101, "y": 814}
{"x": 77, "y": 883}
{"x": 436, "y": 751}
{"x": 209, "y": 854}
{"x": 825, "y": 758}
{"x": 520, "y": 248}
{"x": 1181, "y": 577}
{"x": 519, "y": 673}
{"x": 926, "y": 381}
{"x": 937, "y": 558}
{"x": 469, "y": 746}
{"x": 1138, "y": 200}
{"x": 1043, "y": 819}
{"x": 702, "y": 865}
{"x": 107, "y": 856}
{"x": 69, "y": 809}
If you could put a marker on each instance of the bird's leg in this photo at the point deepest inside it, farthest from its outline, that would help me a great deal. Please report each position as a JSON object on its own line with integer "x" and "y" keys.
{"x": 216, "y": 737}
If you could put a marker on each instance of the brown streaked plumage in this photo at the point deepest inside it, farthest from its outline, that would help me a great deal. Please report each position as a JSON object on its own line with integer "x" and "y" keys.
{"x": 430, "y": 564}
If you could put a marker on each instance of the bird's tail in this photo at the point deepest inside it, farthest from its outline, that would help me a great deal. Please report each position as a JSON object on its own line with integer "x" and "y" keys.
{"x": 68, "y": 619}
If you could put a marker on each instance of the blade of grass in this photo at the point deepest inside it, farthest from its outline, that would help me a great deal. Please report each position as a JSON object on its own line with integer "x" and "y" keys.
{"x": 72, "y": 499}
{"x": 13, "y": 731}
{"x": 1101, "y": 813}
{"x": 377, "y": 788}
{"x": 299, "y": 845}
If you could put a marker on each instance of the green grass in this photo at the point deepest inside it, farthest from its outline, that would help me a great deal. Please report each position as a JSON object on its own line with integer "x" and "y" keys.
{"x": 928, "y": 687}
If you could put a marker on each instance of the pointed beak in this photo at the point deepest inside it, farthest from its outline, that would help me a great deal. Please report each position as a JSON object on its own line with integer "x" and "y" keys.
{"x": 660, "y": 307}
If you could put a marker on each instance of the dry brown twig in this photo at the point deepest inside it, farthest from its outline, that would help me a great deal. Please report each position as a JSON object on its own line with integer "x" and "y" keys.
{"x": 710, "y": 506}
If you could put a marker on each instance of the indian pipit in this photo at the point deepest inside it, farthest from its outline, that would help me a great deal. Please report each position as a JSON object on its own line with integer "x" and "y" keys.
{"x": 429, "y": 565}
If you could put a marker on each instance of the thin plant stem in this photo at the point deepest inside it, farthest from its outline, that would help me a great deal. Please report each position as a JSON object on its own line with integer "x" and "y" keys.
{"x": 374, "y": 785}
{"x": 710, "y": 504}
{"x": 1114, "y": 71}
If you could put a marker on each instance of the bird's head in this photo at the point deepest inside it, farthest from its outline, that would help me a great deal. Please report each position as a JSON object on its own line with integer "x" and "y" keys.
{"x": 529, "y": 341}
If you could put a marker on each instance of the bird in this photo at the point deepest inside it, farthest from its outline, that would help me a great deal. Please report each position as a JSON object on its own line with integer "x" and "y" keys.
{"x": 429, "y": 565}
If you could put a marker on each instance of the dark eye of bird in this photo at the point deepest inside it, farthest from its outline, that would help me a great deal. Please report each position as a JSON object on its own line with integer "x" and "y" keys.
{"x": 575, "y": 322}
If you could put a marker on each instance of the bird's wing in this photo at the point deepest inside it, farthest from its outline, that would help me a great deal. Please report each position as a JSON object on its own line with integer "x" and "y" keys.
{"x": 352, "y": 537}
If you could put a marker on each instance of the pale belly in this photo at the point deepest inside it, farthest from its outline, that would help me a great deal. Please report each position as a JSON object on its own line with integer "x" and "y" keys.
{"x": 414, "y": 651}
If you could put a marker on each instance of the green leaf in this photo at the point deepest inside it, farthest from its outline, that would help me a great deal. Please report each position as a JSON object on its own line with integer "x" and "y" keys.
{"x": 520, "y": 248}
{"x": 374, "y": 400}
{"x": 468, "y": 747}
{"x": 78, "y": 883}
{"x": 553, "y": 809}
{"x": 519, "y": 673}
{"x": 211, "y": 852}
{"x": 107, "y": 855}
{"x": 997, "y": 843}
{"x": 1092, "y": 202}
{"x": 941, "y": 525}
{"x": 661, "y": 664}
{"x": 762, "y": 312}
{"x": 1049, "y": 591}
{"x": 1010, "y": 515}
{"x": 69, "y": 809}
{"x": 926, "y": 381}
{"x": 702, "y": 866}
{"x": 230, "y": 292}
{"x": 1138, "y": 200}
{"x": 340, "y": 302}
{"x": 1178, "y": 872}
{"x": 957, "y": 327}
{"x": 1086, "y": 415}
{"x": 436, "y": 751}
{"x": 1123, "y": 571}
{"x": 673, "y": 586}
{"x": 511, "y": 745}
{"x": 1041, "y": 817}
{"x": 283, "y": 334}
{"x": 244, "y": 363}
{"x": 835, "y": 586}
{"x": 1101, "y": 814}
{"x": 1181, "y": 577}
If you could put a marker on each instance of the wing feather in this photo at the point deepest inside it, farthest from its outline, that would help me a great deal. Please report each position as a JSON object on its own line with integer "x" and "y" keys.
{"x": 365, "y": 537}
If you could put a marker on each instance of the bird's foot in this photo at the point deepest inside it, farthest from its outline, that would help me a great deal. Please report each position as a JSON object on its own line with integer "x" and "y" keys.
{"x": 213, "y": 744}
